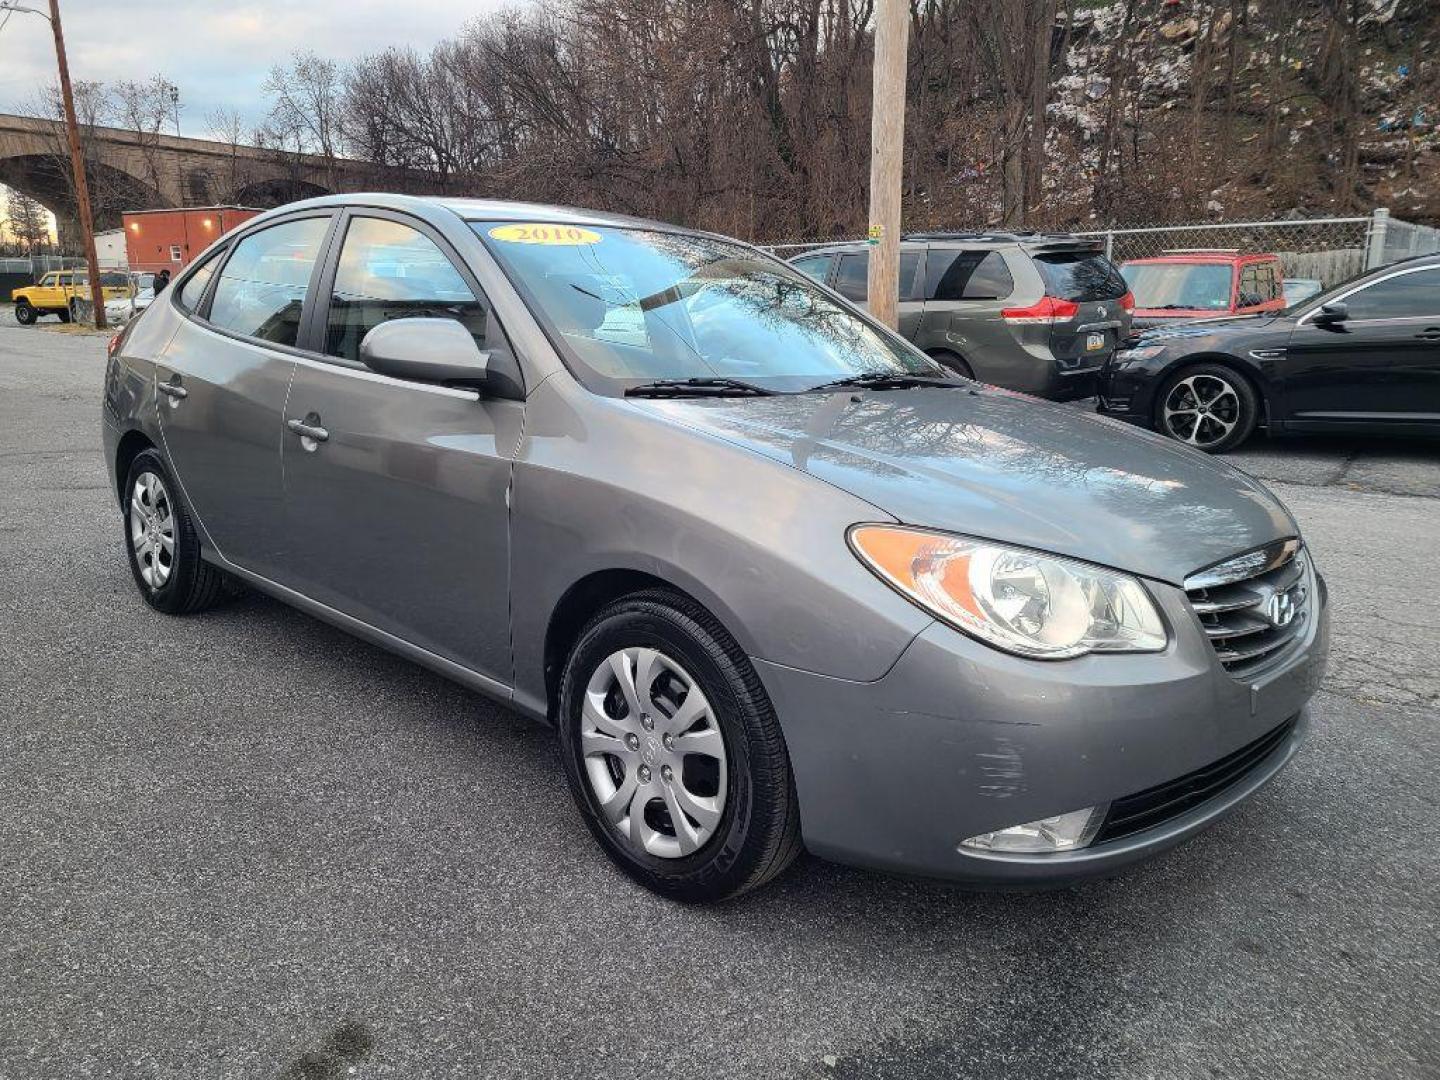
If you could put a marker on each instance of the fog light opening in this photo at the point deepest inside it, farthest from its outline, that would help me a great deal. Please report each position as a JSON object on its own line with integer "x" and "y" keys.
{"x": 1048, "y": 836}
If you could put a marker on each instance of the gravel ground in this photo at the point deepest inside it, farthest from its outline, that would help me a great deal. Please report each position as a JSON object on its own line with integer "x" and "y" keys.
{"x": 245, "y": 845}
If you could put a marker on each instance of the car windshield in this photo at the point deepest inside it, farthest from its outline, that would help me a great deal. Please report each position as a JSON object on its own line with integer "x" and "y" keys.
{"x": 1186, "y": 286}
{"x": 633, "y": 305}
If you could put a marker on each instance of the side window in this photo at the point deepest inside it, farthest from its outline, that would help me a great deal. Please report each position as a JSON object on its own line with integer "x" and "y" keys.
{"x": 967, "y": 275}
{"x": 390, "y": 271}
{"x": 194, "y": 287}
{"x": 1249, "y": 293}
{"x": 852, "y": 282}
{"x": 1406, "y": 296}
{"x": 50, "y": 280}
{"x": 814, "y": 267}
{"x": 262, "y": 288}
{"x": 1272, "y": 287}
{"x": 909, "y": 271}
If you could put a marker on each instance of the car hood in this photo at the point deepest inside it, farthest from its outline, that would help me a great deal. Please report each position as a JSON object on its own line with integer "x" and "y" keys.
{"x": 1224, "y": 324}
{"x": 1002, "y": 466}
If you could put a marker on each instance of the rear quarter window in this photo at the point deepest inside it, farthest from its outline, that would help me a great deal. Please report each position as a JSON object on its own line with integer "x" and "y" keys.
{"x": 1080, "y": 276}
{"x": 967, "y": 275}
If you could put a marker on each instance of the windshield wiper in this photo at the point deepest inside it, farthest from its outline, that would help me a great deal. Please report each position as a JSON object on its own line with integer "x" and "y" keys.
{"x": 885, "y": 380}
{"x": 715, "y": 386}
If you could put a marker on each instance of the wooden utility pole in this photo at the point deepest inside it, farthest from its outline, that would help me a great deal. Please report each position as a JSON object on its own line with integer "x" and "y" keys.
{"x": 77, "y": 164}
{"x": 887, "y": 156}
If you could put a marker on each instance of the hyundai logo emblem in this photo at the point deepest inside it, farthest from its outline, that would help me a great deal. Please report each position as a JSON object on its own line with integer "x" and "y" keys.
{"x": 1280, "y": 609}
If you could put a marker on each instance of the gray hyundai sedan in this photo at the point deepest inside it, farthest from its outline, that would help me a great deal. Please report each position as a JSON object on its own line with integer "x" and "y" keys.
{"x": 777, "y": 579}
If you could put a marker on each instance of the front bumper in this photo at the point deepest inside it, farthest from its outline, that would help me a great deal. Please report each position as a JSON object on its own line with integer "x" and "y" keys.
{"x": 1126, "y": 393}
{"x": 960, "y": 739}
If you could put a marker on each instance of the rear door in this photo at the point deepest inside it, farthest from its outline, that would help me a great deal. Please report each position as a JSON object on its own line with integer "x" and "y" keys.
{"x": 964, "y": 291}
{"x": 1085, "y": 278}
{"x": 399, "y": 517}
{"x": 1380, "y": 366}
{"x": 223, "y": 378}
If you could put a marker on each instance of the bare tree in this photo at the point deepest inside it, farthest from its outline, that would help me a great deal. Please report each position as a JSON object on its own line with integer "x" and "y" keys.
{"x": 28, "y": 222}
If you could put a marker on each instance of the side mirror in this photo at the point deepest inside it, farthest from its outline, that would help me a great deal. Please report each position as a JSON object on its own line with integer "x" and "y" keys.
{"x": 429, "y": 350}
{"x": 1332, "y": 313}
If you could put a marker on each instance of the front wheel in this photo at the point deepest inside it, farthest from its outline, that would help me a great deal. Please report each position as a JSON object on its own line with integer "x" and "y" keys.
{"x": 673, "y": 752}
{"x": 1209, "y": 407}
{"x": 25, "y": 315}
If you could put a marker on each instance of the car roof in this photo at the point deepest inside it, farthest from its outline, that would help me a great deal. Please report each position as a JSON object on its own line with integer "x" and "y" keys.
{"x": 1199, "y": 256}
{"x": 481, "y": 210}
{"x": 1034, "y": 242}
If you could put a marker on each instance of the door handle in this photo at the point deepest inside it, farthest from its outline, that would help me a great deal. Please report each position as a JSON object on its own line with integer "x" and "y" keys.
{"x": 174, "y": 390}
{"x": 309, "y": 428}
{"x": 1430, "y": 333}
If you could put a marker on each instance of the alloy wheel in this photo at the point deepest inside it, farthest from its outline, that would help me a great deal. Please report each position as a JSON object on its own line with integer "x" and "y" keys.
{"x": 1201, "y": 410}
{"x": 653, "y": 753}
{"x": 152, "y": 529}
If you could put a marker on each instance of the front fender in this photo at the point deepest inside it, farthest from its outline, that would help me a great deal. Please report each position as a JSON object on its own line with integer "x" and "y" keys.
{"x": 599, "y": 485}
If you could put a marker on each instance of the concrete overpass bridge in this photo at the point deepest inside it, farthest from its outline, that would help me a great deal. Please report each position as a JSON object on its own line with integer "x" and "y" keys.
{"x": 130, "y": 170}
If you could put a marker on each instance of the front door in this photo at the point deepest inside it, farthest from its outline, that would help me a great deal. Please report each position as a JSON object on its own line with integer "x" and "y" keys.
{"x": 852, "y": 274}
{"x": 399, "y": 516}
{"x": 1380, "y": 365}
{"x": 222, "y": 382}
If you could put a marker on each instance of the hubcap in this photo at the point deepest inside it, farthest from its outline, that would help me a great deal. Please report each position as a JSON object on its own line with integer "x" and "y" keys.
{"x": 1201, "y": 410}
{"x": 152, "y": 529}
{"x": 653, "y": 752}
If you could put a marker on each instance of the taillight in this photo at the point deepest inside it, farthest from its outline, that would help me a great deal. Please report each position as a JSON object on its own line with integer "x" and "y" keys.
{"x": 1050, "y": 309}
{"x": 1127, "y": 303}
{"x": 114, "y": 346}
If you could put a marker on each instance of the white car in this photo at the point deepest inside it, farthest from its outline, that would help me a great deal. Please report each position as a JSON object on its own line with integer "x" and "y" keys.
{"x": 124, "y": 308}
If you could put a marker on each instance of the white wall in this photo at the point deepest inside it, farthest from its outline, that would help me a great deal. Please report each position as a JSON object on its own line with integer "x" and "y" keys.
{"x": 110, "y": 249}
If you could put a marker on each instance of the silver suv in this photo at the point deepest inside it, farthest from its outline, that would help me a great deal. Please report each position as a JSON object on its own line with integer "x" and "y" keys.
{"x": 1035, "y": 313}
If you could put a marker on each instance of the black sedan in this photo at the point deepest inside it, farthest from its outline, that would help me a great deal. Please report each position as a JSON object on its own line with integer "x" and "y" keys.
{"x": 1362, "y": 358}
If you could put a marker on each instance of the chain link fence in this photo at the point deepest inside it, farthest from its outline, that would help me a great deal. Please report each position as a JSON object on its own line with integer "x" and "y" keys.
{"x": 1328, "y": 250}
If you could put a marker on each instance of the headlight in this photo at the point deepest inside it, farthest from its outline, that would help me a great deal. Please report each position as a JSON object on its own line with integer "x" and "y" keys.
{"x": 1021, "y": 601}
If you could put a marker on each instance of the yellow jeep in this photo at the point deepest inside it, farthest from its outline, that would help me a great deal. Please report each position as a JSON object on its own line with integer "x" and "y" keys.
{"x": 54, "y": 293}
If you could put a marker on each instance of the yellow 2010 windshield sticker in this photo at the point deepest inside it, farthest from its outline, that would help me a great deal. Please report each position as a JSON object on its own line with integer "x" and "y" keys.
{"x": 537, "y": 233}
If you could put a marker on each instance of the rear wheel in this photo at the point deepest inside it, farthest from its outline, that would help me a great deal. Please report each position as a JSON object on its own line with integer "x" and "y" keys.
{"x": 25, "y": 315}
{"x": 673, "y": 752}
{"x": 163, "y": 547}
{"x": 64, "y": 313}
{"x": 1209, "y": 407}
{"x": 953, "y": 361}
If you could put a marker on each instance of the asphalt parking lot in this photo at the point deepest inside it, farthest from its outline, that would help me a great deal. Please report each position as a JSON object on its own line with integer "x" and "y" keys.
{"x": 246, "y": 845}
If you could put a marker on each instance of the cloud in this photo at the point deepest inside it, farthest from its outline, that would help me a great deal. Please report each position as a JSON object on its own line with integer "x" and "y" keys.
{"x": 218, "y": 53}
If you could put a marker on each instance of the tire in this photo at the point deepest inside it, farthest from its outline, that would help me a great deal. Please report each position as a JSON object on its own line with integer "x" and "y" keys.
{"x": 953, "y": 361}
{"x": 65, "y": 313}
{"x": 720, "y": 757}
{"x": 173, "y": 579}
{"x": 1208, "y": 406}
{"x": 25, "y": 315}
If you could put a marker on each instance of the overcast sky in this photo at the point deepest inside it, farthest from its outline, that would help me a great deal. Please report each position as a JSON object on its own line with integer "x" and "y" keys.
{"x": 217, "y": 51}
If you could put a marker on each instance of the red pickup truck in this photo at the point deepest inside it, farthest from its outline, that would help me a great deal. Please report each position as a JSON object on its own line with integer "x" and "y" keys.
{"x": 1203, "y": 283}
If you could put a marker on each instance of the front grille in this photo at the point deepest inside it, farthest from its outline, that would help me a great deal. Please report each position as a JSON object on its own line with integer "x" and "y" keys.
{"x": 1157, "y": 805}
{"x": 1253, "y": 606}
